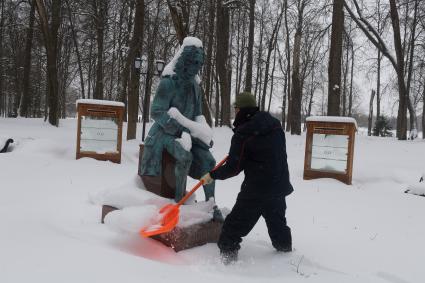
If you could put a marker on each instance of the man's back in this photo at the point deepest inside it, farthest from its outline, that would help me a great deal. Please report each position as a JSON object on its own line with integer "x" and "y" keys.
{"x": 265, "y": 159}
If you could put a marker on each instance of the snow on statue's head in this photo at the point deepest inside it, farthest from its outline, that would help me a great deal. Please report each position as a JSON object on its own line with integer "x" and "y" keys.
{"x": 188, "y": 60}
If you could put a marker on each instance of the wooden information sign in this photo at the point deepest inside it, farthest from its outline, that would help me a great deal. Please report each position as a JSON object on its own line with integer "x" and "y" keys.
{"x": 329, "y": 148}
{"x": 99, "y": 131}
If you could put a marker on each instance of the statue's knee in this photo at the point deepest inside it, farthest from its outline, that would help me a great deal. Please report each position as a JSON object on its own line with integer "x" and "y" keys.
{"x": 186, "y": 157}
{"x": 210, "y": 163}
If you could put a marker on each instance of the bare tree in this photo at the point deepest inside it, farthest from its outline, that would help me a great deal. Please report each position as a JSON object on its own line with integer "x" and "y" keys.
{"x": 134, "y": 50}
{"x": 222, "y": 61}
{"x": 369, "y": 124}
{"x": 50, "y": 33}
{"x": 270, "y": 47}
{"x": 296, "y": 92}
{"x": 398, "y": 64}
{"x": 335, "y": 54}
{"x": 2, "y": 94}
{"x": 23, "y": 107}
{"x": 249, "y": 60}
{"x": 100, "y": 11}
{"x": 180, "y": 14}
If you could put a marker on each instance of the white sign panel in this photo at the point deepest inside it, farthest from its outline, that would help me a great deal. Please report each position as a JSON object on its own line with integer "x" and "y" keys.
{"x": 329, "y": 153}
{"x": 99, "y": 135}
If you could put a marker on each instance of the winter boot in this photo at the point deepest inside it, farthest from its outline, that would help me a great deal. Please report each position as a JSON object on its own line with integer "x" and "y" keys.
{"x": 284, "y": 248}
{"x": 228, "y": 257}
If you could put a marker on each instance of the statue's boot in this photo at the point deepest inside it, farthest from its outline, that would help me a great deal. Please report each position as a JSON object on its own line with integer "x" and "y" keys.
{"x": 181, "y": 170}
{"x": 209, "y": 191}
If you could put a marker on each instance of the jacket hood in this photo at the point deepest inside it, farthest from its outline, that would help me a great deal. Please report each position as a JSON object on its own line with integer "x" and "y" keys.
{"x": 260, "y": 124}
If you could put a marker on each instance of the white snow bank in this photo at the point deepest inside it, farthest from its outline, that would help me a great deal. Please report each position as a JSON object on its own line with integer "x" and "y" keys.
{"x": 139, "y": 208}
{"x": 131, "y": 219}
{"x": 198, "y": 128}
{"x": 100, "y": 102}
{"x": 416, "y": 189}
{"x": 344, "y": 233}
{"x": 127, "y": 196}
{"x": 335, "y": 119}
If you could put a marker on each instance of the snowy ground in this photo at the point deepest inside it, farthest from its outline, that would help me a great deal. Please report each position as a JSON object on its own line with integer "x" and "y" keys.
{"x": 50, "y": 232}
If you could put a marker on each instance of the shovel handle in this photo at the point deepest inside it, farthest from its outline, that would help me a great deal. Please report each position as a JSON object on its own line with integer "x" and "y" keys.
{"x": 200, "y": 183}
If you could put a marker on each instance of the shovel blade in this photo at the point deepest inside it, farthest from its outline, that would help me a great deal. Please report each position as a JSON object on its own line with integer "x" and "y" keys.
{"x": 168, "y": 221}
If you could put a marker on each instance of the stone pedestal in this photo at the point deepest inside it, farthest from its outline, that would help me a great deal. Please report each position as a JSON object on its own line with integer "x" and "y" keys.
{"x": 183, "y": 238}
{"x": 193, "y": 236}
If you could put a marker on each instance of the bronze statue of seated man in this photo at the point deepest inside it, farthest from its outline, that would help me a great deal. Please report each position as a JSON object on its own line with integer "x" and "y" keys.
{"x": 179, "y": 127}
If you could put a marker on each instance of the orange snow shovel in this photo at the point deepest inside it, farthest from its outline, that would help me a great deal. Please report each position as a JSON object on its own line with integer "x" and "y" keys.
{"x": 170, "y": 213}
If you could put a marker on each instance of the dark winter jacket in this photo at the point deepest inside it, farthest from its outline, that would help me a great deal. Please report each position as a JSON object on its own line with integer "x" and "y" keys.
{"x": 258, "y": 148}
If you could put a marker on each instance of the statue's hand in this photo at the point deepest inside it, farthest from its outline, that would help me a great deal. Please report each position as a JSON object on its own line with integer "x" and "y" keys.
{"x": 185, "y": 141}
{"x": 202, "y": 131}
{"x": 198, "y": 128}
{"x": 174, "y": 113}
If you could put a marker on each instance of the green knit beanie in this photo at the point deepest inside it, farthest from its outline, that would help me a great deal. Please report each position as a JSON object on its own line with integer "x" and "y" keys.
{"x": 245, "y": 100}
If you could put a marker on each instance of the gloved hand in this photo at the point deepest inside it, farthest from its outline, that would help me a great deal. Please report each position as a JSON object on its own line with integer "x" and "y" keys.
{"x": 206, "y": 179}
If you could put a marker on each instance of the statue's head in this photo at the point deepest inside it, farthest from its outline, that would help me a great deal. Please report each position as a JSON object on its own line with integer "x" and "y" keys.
{"x": 189, "y": 62}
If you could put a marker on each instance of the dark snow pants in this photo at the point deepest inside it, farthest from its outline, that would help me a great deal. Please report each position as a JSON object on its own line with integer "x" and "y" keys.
{"x": 245, "y": 215}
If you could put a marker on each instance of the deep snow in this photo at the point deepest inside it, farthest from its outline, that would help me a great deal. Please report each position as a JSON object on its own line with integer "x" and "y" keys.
{"x": 368, "y": 232}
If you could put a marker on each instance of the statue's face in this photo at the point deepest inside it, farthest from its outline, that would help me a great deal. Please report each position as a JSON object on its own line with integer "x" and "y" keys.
{"x": 193, "y": 59}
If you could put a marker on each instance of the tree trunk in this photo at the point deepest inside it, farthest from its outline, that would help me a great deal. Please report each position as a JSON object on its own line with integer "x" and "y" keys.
{"x": 89, "y": 72}
{"x": 272, "y": 79}
{"x": 50, "y": 34}
{"x": 335, "y": 54}
{"x": 2, "y": 94}
{"x": 249, "y": 59}
{"x": 133, "y": 90}
{"x": 284, "y": 102}
{"x": 208, "y": 61}
{"x": 402, "y": 107}
{"x": 151, "y": 43}
{"x": 217, "y": 99}
{"x": 259, "y": 73}
{"x": 23, "y": 107}
{"x": 271, "y": 47}
{"x": 344, "y": 88}
{"x": 101, "y": 9}
{"x": 412, "y": 113}
{"x": 369, "y": 124}
{"x": 64, "y": 75}
{"x": 378, "y": 87}
{"x": 423, "y": 112}
{"x": 288, "y": 69}
{"x": 77, "y": 50}
{"x": 296, "y": 93}
{"x": 223, "y": 61}
{"x": 179, "y": 11}
{"x": 350, "y": 98}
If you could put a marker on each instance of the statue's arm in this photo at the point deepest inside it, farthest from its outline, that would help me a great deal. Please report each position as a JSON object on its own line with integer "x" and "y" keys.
{"x": 198, "y": 106}
{"x": 160, "y": 105}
